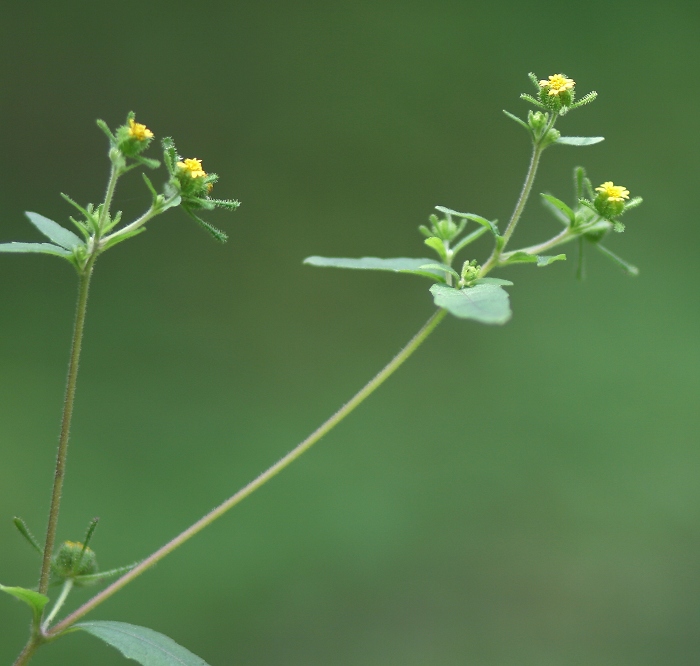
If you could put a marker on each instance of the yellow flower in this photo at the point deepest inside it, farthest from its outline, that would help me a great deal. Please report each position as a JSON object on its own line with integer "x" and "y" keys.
{"x": 613, "y": 192}
{"x": 193, "y": 167}
{"x": 557, "y": 83}
{"x": 138, "y": 131}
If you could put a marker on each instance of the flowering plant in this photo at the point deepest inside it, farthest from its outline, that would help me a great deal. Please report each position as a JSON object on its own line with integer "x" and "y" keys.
{"x": 466, "y": 291}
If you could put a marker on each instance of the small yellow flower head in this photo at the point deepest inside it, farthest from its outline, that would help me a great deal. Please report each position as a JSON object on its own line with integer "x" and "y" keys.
{"x": 557, "y": 83}
{"x": 613, "y": 192}
{"x": 193, "y": 167}
{"x": 138, "y": 131}
{"x": 610, "y": 201}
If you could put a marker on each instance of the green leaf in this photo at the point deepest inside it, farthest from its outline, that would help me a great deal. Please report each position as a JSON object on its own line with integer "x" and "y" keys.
{"x": 491, "y": 226}
{"x": 517, "y": 120}
{"x": 44, "y": 248}
{"x": 146, "y": 646}
{"x": 521, "y": 257}
{"x": 216, "y": 234}
{"x": 111, "y": 242}
{"x": 498, "y": 281}
{"x": 439, "y": 267}
{"x": 633, "y": 203}
{"x": 469, "y": 238}
{"x": 89, "y": 579}
{"x": 545, "y": 260}
{"x": 24, "y": 531}
{"x": 54, "y": 231}
{"x": 485, "y": 303}
{"x": 532, "y": 100}
{"x": 579, "y": 140}
{"x": 396, "y": 265}
{"x": 34, "y": 600}
{"x": 560, "y": 205}
{"x": 624, "y": 265}
{"x": 436, "y": 244}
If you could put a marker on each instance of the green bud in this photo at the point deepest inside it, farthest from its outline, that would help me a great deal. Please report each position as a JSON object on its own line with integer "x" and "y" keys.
{"x": 73, "y": 559}
{"x": 537, "y": 120}
{"x": 470, "y": 272}
{"x": 550, "y": 138}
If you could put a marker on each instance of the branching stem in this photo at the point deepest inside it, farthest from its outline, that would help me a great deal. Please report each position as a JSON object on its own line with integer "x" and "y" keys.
{"x": 247, "y": 490}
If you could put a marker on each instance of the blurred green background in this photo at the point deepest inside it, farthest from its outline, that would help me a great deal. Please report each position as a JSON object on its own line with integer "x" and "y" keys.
{"x": 516, "y": 496}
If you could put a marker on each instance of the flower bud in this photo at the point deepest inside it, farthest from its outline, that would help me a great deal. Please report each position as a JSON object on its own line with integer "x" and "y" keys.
{"x": 470, "y": 272}
{"x": 537, "y": 120}
{"x": 73, "y": 559}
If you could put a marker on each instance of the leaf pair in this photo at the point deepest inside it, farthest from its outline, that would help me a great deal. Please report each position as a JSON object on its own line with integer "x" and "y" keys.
{"x": 486, "y": 302}
{"x": 65, "y": 243}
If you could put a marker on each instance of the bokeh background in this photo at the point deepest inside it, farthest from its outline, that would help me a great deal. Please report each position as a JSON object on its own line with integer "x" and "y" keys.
{"x": 516, "y": 496}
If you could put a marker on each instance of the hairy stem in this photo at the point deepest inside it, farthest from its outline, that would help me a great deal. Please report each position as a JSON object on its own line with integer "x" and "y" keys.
{"x": 518, "y": 211}
{"x": 295, "y": 453}
{"x": 28, "y": 652}
{"x": 81, "y": 308}
{"x": 67, "y": 587}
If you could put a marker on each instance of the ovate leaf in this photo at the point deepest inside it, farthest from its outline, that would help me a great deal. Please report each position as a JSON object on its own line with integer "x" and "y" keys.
{"x": 580, "y": 140}
{"x": 34, "y": 600}
{"x": 396, "y": 265}
{"x": 43, "y": 248}
{"x": 146, "y": 646}
{"x": 485, "y": 303}
{"x": 54, "y": 231}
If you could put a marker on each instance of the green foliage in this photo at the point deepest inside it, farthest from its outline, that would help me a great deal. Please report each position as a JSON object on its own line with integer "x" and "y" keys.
{"x": 521, "y": 257}
{"x": 396, "y": 265}
{"x": 34, "y": 600}
{"x": 560, "y": 205}
{"x": 143, "y": 645}
{"x": 486, "y": 303}
{"x": 55, "y": 232}
{"x": 24, "y": 531}
{"x": 624, "y": 265}
{"x": 43, "y": 248}
{"x": 579, "y": 140}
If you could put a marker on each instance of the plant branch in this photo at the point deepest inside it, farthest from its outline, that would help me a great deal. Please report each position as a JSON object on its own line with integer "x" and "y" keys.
{"x": 247, "y": 490}
{"x": 537, "y": 149}
{"x": 81, "y": 308}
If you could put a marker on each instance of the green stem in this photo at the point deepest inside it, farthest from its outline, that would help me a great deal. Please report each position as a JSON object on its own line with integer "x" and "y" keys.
{"x": 104, "y": 213}
{"x": 537, "y": 149}
{"x": 67, "y": 587}
{"x": 81, "y": 308}
{"x": 136, "y": 224}
{"x": 28, "y": 652}
{"x": 295, "y": 453}
{"x": 518, "y": 211}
